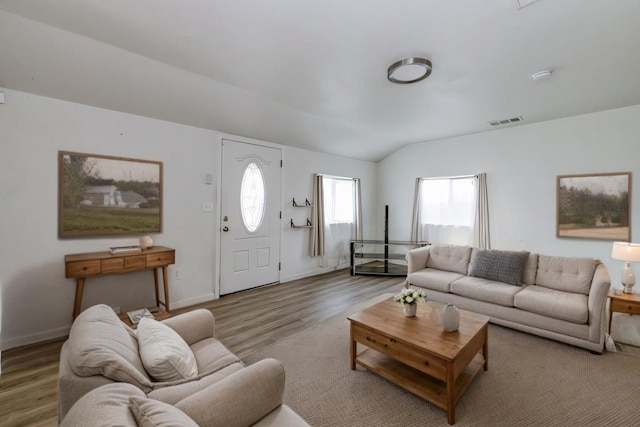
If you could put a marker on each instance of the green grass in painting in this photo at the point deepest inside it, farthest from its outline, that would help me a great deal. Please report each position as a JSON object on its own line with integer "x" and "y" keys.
{"x": 110, "y": 220}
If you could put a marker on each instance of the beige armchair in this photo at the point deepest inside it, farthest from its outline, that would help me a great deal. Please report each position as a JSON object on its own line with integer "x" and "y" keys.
{"x": 102, "y": 350}
{"x": 249, "y": 397}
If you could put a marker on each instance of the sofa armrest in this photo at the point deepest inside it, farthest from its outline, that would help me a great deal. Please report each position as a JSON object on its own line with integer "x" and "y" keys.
{"x": 193, "y": 326}
{"x": 241, "y": 399}
{"x": 598, "y": 293}
{"x": 417, "y": 259}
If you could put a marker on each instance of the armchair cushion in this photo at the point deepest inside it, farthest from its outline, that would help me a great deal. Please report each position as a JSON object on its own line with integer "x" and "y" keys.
{"x": 104, "y": 406}
{"x": 239, "y": 400}
{"x": 99, "y": 344}
{"x": 153, "y": 413}
{"x": 165, "y": 355}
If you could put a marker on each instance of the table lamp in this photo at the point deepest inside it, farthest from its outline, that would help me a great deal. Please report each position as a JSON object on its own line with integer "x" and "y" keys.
{"x": 629, "y": 252}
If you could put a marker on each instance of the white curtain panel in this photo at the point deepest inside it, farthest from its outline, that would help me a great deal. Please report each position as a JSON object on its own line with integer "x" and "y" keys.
{"x": 416, "y": 226}
{"x": 357, "y": 207}
{"x": 482, "y": 238}
{"x": 318, "y": 218}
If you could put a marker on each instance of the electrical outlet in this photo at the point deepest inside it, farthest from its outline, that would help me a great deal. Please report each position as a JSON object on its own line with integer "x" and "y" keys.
{"x": 207, "y": 207}
{"x": 176, "y": 274}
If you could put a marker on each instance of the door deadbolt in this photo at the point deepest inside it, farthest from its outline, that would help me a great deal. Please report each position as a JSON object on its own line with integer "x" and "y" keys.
{"x": 225, "y": 218}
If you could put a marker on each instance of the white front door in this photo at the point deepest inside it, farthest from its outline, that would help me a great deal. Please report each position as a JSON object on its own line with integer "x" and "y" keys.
{"x": 250, "y": 216}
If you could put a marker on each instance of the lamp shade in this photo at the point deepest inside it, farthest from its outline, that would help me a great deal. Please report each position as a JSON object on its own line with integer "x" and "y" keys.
{"x": 624, "y": 251}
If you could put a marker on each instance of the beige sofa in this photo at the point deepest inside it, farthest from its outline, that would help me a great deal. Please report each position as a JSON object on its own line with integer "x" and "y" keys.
{"x": 560, "y": 298}
{"x": 101, "y": 367}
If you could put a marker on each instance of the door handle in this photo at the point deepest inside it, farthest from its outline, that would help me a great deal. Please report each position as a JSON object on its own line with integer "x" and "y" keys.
{"x": 225, "y": 228}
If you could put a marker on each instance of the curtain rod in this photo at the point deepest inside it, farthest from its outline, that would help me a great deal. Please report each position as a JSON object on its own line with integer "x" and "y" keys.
{"x": 452, "y": 177}
{"x": 345, "y": 178}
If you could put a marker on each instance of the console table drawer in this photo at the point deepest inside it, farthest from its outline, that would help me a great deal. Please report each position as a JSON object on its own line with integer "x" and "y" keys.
{"x": 162, "y": 258}
{"x": 111, "y": 265}
{"x": 625, "y": 307}
{"x": 404, "y": 353}
{"x": 83, "y": 268}
{"x": 139, "y": 261}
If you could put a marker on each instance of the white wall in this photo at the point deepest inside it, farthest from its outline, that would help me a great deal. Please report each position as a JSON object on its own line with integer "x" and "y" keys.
{"x": 299, "y": 167}
{"x": 36, "y": 298}
{"x": 522, "y": 164}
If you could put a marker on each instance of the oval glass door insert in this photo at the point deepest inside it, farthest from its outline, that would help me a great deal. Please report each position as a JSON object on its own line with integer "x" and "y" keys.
{"x": 252, "y": 197}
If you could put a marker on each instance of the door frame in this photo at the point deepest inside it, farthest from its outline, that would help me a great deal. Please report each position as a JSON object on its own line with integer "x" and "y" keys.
{"x": 217, "y": 227}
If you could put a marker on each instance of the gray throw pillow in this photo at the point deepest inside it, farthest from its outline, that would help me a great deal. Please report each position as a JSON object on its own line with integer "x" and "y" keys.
{"x": 503, "y": 266}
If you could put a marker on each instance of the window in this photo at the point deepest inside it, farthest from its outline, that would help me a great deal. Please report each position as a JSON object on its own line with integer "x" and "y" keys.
{"x": 252, "y": 197}
{"x": 448, "y": 201}
{"x": 338, "y": 200}
{"x": 447, "y": 210}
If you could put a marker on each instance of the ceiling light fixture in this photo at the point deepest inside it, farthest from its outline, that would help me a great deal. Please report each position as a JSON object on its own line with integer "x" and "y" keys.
{"x": 410, "y": 70}
{"x": 541, "y": 75}
{"x": 525, "y": 3}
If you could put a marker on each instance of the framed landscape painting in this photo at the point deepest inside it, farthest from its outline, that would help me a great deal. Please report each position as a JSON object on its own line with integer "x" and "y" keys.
{"x": 105, "y": 195}
{"x": 595, "y": 206}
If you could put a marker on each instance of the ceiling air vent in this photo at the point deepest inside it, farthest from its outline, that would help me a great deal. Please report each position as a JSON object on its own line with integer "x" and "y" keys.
{"x": 506, "y": 121}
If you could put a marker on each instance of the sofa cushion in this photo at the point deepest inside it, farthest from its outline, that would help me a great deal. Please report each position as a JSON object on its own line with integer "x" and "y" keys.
{"x": 449, "y": 258}
{"x": 165, "y": 355}
{"x": 105, "y": 406}
{"x": 550, "y": 302}
{"x": 153, "y": 413}
{"x": 99, "y": 344}
{"x": 503, "y": 266}
{"x": 566, "y": 274}
{"x": 480, "y": 289}
{"x": 430, "y": 278}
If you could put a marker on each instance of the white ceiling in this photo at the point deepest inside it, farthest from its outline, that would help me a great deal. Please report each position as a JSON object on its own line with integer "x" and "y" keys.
{"x": 312, "y": 74}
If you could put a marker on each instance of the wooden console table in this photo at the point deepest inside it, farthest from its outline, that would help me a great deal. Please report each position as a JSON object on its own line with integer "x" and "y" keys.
{"x": 96, "y": 264}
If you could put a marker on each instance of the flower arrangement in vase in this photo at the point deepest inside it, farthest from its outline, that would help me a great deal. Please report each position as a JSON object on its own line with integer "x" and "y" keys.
{"x": 409, "y": 299}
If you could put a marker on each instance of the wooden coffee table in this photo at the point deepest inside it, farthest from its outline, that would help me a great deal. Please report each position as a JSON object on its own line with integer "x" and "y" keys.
{"x": 417, "y": 355}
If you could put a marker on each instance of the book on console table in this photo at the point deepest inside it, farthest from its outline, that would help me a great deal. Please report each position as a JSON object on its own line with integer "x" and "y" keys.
{"x": 136, "y": 315}
{"x": 125, "y": 249}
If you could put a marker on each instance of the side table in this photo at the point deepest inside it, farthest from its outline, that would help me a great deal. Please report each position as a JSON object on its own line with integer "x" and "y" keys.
{"x": 623, "y": 303}
{"x": 158, "y": 314}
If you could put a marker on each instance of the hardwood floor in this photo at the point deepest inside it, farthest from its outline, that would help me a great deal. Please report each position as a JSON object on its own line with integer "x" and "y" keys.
{"x": 245, "y": 322}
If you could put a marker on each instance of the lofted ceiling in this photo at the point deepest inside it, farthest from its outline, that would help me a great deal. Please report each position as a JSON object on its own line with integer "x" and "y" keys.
{"x": 312, "y": 74}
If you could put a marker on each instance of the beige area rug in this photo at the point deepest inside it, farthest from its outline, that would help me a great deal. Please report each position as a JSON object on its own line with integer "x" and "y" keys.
{"x": 531, "y": 381}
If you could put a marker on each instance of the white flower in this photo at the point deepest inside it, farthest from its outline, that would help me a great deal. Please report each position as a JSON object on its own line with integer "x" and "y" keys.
{"x": 410, "y": 296}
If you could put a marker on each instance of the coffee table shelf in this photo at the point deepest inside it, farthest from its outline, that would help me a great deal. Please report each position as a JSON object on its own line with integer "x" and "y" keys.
{"x": 416, "y": 382}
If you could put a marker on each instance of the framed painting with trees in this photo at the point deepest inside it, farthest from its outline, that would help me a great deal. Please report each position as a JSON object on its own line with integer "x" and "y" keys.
{"x": 104, "y": 195}
{"x": 595, "y": 206}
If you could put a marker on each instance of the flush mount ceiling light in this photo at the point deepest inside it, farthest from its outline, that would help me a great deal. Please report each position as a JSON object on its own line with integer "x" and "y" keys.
{"x": 410, "y": 70}
{"x": 525, "y": 3}
{"x": 541, "y": 75}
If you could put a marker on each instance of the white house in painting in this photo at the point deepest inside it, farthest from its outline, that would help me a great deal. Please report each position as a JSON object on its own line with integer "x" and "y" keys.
{"x": 109, "y": 195}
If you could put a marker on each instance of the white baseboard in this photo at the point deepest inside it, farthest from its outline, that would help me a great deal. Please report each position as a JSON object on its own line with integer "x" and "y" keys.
{"x": 192, "y": 301}
{"x": 49, "y": 335}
